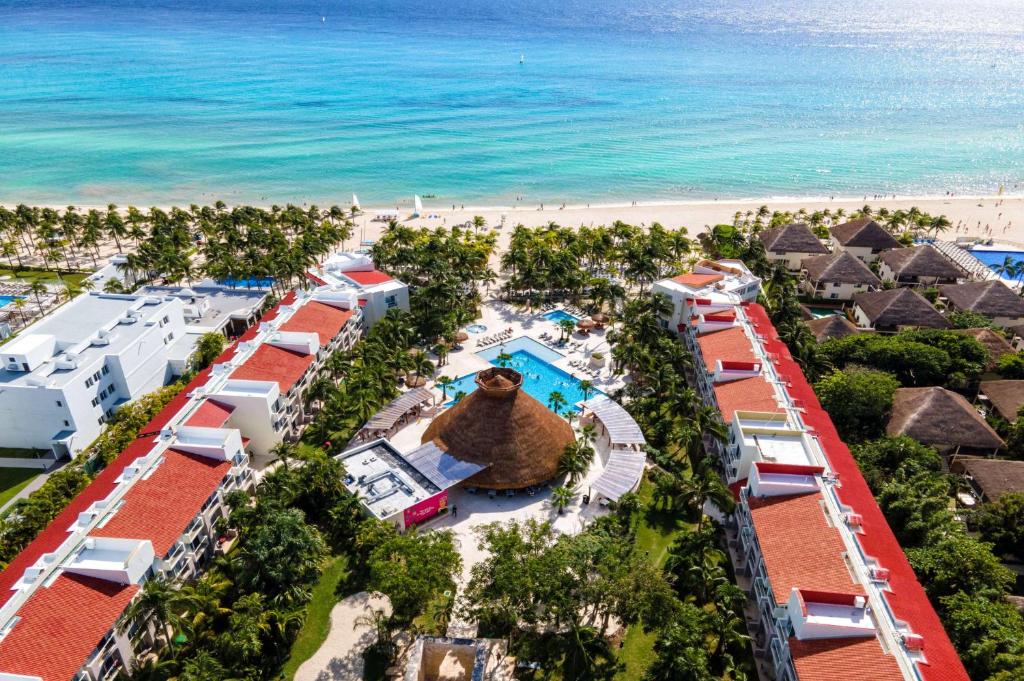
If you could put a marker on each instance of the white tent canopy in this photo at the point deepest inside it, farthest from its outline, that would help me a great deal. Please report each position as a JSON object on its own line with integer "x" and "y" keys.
{"x": 621, "y": 474}
{"x": 622, "y": 429}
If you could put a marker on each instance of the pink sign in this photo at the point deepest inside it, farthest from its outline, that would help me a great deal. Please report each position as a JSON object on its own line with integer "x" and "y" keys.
{"x": 427, "y": 508}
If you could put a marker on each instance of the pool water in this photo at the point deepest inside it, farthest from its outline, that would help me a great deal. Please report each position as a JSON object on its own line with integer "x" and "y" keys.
{"x": 558, "y": 315}
{"x": 476, "y": 328}
{"x": 6, "y": 300}
{"x": 252, "y": 282}
{"x": 995, "y": 259}
{"x": 540, "y": 378}
{"x": 819, "y": 312}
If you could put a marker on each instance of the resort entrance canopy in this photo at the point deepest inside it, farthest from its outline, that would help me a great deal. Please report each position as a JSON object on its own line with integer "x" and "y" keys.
{"x": 440, "y": 467}
{"x": 394, "y": 414}
{"x": 622, "y": 429}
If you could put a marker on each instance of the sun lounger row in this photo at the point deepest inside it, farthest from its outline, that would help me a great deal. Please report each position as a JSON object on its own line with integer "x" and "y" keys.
{"x": 496, "y": 338}
{"x": 583, "y": 367}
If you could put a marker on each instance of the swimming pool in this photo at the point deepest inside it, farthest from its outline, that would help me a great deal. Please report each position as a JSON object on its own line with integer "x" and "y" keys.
{"x": 558, "y": 315}
{"x": 252, "y": 282}
{"x": 476, "y": 328}
{"x": 540, "y": 378}
{"x": 7, "y": 300}
{"x": 995, "y": 259}
{"x": 819, "y": 312}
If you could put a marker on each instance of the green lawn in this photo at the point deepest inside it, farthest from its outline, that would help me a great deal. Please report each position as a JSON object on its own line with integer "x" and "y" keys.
{"x": 13, "y": 453}
{"x": 74, "y": 279}
{"x": 318, "y": 616}
{"x": 654, "y": 536}
{"x": 13, "y": 480}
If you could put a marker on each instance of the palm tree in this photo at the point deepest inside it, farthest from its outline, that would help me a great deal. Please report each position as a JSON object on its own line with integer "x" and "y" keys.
{"x": 557, "y": 402}
{"x": 443, "y": 382}
{"x": 38, "y": 288}
{"x": 586, "y": 387}
{"x": 575, "y": 460}
{"x": 561, "y": 497}
{"x": 19, "y": 305}
{"x": 566, "y": 326}
{"x": 503, "y": 359}
{"x": 157, "y": 602}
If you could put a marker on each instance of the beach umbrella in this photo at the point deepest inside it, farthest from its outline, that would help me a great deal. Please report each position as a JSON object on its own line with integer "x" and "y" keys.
{"x": 599, "y": 318}
{"x": 461, "y": 337}
{"x": 585, "y": 323}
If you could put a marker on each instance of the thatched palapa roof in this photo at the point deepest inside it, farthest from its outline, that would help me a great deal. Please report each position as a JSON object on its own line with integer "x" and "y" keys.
{"x": 1007, "y": 397}
{"x": 940, "y": 418}
{"x": 989, "y": 298}
{"x": 501, "y": 426}
{"x": 864, "y": 233}
{"x": 994, "y": 343}
{"x": 841, "y": 268}
{"x": 793, "y": 238}
{"x": 994, "y": 477}
{"x": 921, "y": 261}
{"x": 832, "y": 326}
{"x": 899, "y": 307}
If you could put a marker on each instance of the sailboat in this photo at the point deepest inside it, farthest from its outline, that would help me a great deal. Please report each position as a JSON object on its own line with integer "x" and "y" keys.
{"x": 522, "y": 58}
{"x": 417, "y": 206}
{"x": 355, "y": 202}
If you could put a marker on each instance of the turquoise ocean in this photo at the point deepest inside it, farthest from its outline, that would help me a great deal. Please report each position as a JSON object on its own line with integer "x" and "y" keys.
{"x": 483, "y": 101}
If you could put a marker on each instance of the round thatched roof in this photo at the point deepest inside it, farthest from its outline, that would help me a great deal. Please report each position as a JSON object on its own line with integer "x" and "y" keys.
{"x": 500, "y": 425}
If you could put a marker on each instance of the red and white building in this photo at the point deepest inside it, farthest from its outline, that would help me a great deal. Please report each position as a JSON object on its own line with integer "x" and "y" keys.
{"x": 832, "y": 595}
{"x": 153, "y": 509}
{"x": 376, "y": 291}
{"x": 712, "y": 287}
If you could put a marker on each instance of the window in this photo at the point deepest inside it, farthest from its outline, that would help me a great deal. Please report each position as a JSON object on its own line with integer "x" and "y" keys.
{"x": 59, "y": 403}
{"x": 96, "y": 376}
{"x": 100, "y": 420}
{"x": 834, "y": 295}
{"x": 835, "y": 284}
{"x": 103, "y": 394}
{"x": 95, "y": 401}
{"x": 106, "y": 370}
{"x": 391, "y": 301}
{"x": 89, "y": 382}
{"x": 66, "y": 424}
{"x": 166, "y": 319}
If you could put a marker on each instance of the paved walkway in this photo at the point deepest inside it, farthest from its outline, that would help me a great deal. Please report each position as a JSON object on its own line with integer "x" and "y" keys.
{"x": 340, "y": 658}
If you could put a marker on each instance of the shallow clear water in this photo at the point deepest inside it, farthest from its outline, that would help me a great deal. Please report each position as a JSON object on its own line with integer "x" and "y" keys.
{"x": 540, "y": 379}
{"x": 558, "y": 315}
{"x": 311, "y": 100}
{"x": 6, "y": 300}
{"x": 252, "y": 282}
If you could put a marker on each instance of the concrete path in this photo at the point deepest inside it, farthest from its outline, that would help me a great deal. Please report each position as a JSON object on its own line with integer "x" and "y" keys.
{"x": 340, "y": 658}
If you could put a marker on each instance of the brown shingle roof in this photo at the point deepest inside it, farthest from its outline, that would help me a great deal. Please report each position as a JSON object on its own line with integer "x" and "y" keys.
{"x": 993, "y": 342}
{"x": 864, "y": 232}
{"x": 899, "y": 307}
{"x": 920, "y": 261}
{"x": 1006, "y": 397}
{"x": 995, "y": 477}
{"x": 832, "y": 326}
{"x": 990, "y": 298}
{"x": 939, "y": 417}
{"x": 793, "y": 238}
{"x": 839, "y": 267}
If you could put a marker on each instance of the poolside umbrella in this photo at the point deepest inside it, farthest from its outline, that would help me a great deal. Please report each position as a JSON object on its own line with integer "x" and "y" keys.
{"x": 415, "y": 381}
{"x": 502, "y": 427}
{"x": 599, "y": 318}
{"x": 461, "y": 337}
{"x": 585, "y": 324}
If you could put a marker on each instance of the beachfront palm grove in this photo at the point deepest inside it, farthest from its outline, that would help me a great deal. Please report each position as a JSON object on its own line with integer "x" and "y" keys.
{"x": 654, "y": 570}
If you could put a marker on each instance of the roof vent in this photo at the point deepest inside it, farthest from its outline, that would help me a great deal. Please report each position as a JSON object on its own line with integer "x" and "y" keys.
{"x": 913, "y": 642}
{"x": 854, "y": 519}
{"x": 878, "y": 574}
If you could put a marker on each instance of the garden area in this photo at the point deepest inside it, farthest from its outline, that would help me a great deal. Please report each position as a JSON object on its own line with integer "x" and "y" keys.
{"x": 13, "y": 480}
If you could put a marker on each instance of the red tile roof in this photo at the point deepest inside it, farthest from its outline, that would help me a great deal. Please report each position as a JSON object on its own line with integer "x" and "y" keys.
{"x": 61, "y": 625}
{"x": 848, "y": 659}
{"x": 906, "y": 596}
{"x": 799, "y": 547}
{"x": 160, "y": 507}
{"x": 210, "y": 414}
{"x": 271, "y": 363}
{"x": 368, "y": 278}
{"x": 316, "y": 317}
{"x": 746, "y": 394}
{"x": 730, "y": 344}
{"x": 697, "y": 280}
{"x": 315, "y": 279}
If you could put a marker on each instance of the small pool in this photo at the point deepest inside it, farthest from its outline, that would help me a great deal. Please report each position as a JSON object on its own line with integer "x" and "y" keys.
{"x": 995, "y": 259}
{"x": 251, "y": 282}
{"x": 558, "y": 315}
{"x": 819, "y": 312}
{"x": 476, "y": 328}
{"x": 7, "y": 300}
{"x": 540, "y": 378}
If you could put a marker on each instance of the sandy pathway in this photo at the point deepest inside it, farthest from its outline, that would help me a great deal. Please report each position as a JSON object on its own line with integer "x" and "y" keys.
{"x": 340, "y": 658}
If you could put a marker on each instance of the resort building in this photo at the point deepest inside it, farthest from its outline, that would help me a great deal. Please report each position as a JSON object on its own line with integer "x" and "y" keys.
{"x": 831, "y": 326}
{"x": 836, "y": 277}
{"x": 863, "y": 238}
{"x": 711, "y": 287}
{"x": 1005, "y": 397}
{"x": 990, "y": 479}
{"x": 376, "y": 291}
{"x": 992, "y": 299}
{"x": 791, "y": 245}
{"x": 64, "y": 376}
{"x": 918, "y": 266}
{"x": 995, "y": 344}
{"x": 942, "y": 419}
{"x": 831, "y": 593}
{"x": 895, "y": 309}
{"x": 210, "y": 307}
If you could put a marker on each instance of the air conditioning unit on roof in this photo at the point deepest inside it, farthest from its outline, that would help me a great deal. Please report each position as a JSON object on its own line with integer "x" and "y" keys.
{"x": 854, "y": 519}
{"x": 913, "y": 642}
{"x": 878, "y": 573}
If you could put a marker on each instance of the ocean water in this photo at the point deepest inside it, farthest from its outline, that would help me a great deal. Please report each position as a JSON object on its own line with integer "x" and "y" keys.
{"x": 184, "y": 101}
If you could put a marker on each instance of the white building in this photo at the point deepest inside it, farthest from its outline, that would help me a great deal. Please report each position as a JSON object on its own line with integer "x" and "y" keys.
{"x": 65, "y": 375}
{"x": 712, "y": 287}
{"x": 376, "y": 291}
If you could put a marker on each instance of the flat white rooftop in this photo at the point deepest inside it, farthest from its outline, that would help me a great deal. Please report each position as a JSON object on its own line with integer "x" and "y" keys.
{"x": 383, "y": 480}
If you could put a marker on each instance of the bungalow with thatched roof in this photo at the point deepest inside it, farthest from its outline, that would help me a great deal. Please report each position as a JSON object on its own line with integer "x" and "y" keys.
{"x": 831, "y": 326}
{"x": 942, "y": 419}
{"x": 991, "y": 478}
{"x": 896, "y": 308}
{"x": 993, "y": 299}
{"x": 863, "y": 238}
{"x": 918, "y": 266}
{"x": 1005, "y": 397}
{"x": 502, "y": 427}
{"x": 995, "y": 344}
{"x": 839, "y": 276}
{"x": 790, "y": 244}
